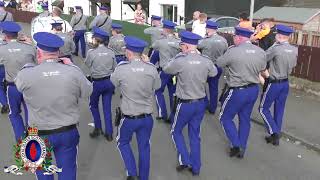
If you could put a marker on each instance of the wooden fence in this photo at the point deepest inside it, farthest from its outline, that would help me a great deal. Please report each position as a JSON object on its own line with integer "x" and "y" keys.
{"x": 308, "y": 63}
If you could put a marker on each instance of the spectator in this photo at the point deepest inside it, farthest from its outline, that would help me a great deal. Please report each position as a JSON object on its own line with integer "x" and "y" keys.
{"x": 199, "y": 26}
{"x": 244, "y": 21}
{"x": 266, "y": 33}
{"x": 196, "y": 15}
{"x": 26, "y": 5}
{"x": 12, "y": 4}
{"x": 139, "y": 15}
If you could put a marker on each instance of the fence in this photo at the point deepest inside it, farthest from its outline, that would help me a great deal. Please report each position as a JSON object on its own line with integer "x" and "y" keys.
{"x": 306, "y": 38}
{"x": 308, "y": 63}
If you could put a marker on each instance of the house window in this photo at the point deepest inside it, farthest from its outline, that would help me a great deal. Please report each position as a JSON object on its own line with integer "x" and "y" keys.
{"x": 170, "y": 12}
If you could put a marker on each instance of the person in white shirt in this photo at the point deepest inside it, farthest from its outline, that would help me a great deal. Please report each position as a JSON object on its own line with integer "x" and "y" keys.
{"x": 199, "y": 26}
{"x": 43, "y": 24}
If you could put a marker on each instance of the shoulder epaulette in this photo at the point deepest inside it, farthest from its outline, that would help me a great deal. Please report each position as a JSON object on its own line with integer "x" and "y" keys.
{"x": 123, "y": 63}
{"x": 180, "y": 55}
{"x": 205, "y": 56}
{"x": 232, "y": 46}
{"x": 149, "y": 63}
{"x": 23, "y": 42}
{"x": 28, "y": 65}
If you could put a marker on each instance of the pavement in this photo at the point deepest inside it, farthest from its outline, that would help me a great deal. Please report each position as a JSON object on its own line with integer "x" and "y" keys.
{"x": 100, "y": 160}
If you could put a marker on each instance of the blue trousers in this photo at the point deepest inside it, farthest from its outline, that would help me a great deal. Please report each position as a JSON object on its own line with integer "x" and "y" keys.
{"x": 3, "y": 97}
{"x": 105, "y": 89}
{"x": 276, "y": 94}
{"x": 190, "y": 114}
{"x": 154, "y": 57}
{"x": 65, "y": 149}
{"x": 15, "y": 99}
{"x": 143, "y": 128}
{"x": 213, "y": 83}
{"x": 120, "y": 58}
{"x": 166, "y": 80}
{"x": 238, "y": 102}
{"x": 79, "y": 37}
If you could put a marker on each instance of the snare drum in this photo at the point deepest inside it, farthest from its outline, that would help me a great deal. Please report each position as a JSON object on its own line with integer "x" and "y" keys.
{"x": 88, "y": 37}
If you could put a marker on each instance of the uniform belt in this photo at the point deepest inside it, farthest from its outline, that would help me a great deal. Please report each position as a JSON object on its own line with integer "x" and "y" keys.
{"x": 10, "y": 83}
{"x": 101, "y": 79}
{"x": 189, "y": 100}
{"x": 137, "y": 117}
{"x": 244, "y": 87}
{"x": 55, "y": 131}
{"x": 120, "y": 55}
{"x": 278, "y": 80}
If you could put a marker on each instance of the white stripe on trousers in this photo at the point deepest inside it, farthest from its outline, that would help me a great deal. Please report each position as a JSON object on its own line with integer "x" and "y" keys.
{"x": 261, "y": 109}
{"x": 118, "y": 143}
{"x": 159, "y": 107}
{"x": 223, "y": 108}
{"x": 172, "y": 130}
{"x": 8, "y": 100}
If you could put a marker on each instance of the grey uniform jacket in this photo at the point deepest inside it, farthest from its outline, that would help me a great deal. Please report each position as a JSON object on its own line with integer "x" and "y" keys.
{"x": 243, "y": 64}
{"x": 117, "y": 44}
{"x": 3, "y": 16}
{"x": 99, "y": 21}
{"x": 101, "y": 61}
{"x": 69, "y": 47}
{"x": 192, "y": 71}
{"x": 282, "y": 58}
{"x": 77, "y": 23}
{"x": 168, "y": 48}
{"x": 14, "y": 55}
{"x": 51, "y": 91}
{"x": 137, "y": 81}
{"x": 155, "y": 32}
{"x": 213, "y": 47}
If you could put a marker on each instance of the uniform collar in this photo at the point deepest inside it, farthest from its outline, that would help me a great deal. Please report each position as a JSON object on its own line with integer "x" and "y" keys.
{"x": 244, "y": 43}
{"x": 284, "y": 42}
{"x": 136, "y": 59}
{"x": 51, "y": 60}
{"x": 214, "y": 34}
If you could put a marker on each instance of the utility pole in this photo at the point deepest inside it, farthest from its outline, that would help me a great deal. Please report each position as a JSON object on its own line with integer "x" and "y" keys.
{"x": 251, "y": 10}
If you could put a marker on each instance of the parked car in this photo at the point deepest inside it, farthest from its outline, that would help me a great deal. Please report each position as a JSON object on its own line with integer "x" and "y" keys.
{"x": 226, "y": 23}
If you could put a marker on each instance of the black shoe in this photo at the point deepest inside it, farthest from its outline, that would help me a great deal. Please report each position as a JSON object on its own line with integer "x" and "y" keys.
{"x": 5, "y": 109}
{"x": 167, "y": 121}
{"x": 108, "y": 137}
{"x": 193, "y": 173}
{"x": 132, "y": 178}
{"x": 276, "y": 139}
{"x": 75, "y": 54}
{"x": 95, "y": 133}
{"x": 211, "y": 112}
{"x": 241, "y": 154}
{"x": 159, "y": 118}
{"x": 235, "y": 151}
{"x": 180, "y": 168}
{"x": 269, "y": 139}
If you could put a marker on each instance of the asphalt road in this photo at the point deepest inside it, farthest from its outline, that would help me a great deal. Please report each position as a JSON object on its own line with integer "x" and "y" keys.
{"x": 100, "y": 160}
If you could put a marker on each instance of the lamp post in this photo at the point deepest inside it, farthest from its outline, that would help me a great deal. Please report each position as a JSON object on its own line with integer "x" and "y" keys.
{"x": 251, "y": 10}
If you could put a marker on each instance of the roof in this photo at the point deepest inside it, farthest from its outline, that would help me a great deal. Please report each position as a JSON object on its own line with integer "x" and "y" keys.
{"x": 287, "y": 14}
